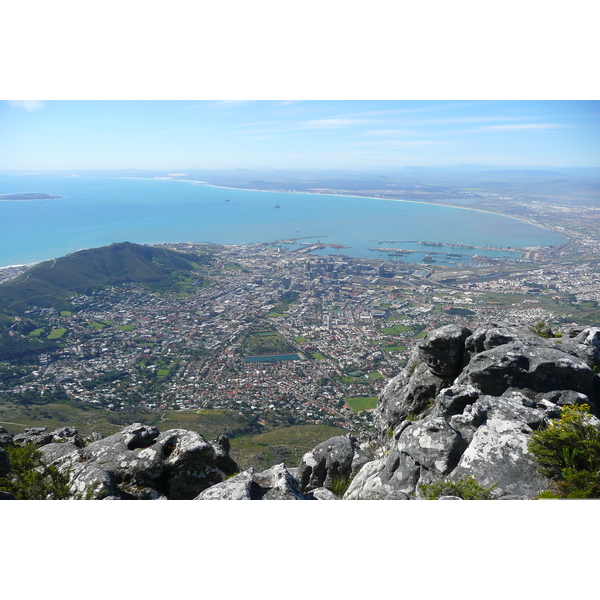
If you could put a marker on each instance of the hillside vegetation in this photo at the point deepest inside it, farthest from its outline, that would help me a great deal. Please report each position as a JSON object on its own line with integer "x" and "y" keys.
{"x": 49, "y": 284}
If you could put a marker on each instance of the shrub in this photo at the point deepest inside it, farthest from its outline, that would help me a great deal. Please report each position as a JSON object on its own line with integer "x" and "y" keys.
{"x": 30, "y": 479}
{"x": 467, "y": 489}
{"x": 340, "y": 484}
{"x": 568, "y": 452}
{"x": 544, "y": 331}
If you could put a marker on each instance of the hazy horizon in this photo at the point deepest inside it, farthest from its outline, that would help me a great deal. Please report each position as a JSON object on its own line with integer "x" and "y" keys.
{"x": 324, "y": 135}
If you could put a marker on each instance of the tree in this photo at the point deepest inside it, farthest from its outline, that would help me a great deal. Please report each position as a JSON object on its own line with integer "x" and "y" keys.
{"x": 31, "y": 479}
{"x": 568, "y": 452}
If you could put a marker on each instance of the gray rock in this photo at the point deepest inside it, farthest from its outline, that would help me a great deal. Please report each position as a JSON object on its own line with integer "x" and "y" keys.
{"x": 337, "y": 458}
{"x": 320, "y": 494}
{"x": 453, "y": 424}
{"x": 443, "y": 350}
{"x": 224, "y": 461}
{"x": 177, "y": 463}
{"x": 90, "y": 482}
{"x": 238, "y": 487}
{"x": 139, "y": 436}
{"x": 409, "y": 393}
{"x": 397, "y": 495}
{"x": 67, "y": 434}
{"x": 493, "y": 335}
{"x": 453, "y": 400}
{"x": 433, "y": 444}
{"x": 33, "y": 435}
{"x": 536, "y": 368}
{"x": 368, "y": 483}
{"x": 58, "y": 454}
{"x": 277, "y": 483}
{"x": 6, "y": 438}
{"x": 86, "y": 480}
{"x": 191, "y": 463}
{"x": 585, "y": 345}
{"x": 498, "y": 454}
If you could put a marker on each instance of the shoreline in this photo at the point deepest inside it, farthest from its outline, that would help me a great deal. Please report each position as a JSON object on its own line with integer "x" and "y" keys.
{"x": 489, "y": 212}
{"x": 405, "y": 200}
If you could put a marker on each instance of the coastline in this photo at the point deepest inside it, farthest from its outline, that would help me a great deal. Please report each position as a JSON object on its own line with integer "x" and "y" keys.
{"x": 489, "y": 212}
{"x": 562, "y": 235}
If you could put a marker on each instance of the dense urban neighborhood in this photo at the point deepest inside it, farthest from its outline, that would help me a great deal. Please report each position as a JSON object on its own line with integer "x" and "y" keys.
{"x": 285, "y": 335}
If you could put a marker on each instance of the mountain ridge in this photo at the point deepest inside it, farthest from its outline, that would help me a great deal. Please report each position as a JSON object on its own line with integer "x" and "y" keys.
{"x": 49, "y": 284}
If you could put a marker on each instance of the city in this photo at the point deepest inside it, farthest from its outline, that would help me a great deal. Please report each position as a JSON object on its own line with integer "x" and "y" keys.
{"x": 287, "y": 336}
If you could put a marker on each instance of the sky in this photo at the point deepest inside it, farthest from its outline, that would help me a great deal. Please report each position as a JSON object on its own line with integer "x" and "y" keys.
{"x": 308, "y": 134}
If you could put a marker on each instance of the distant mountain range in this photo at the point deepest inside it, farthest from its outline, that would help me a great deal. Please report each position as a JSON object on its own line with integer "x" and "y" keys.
{"x": 49, "y": 284}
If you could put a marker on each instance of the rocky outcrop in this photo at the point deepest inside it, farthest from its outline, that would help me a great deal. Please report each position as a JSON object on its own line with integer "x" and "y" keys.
{"x": 464, "y": 407}
{"x": 6, "y": 438}
{"x": 337, "y": 458}
{"x": 276, "y": 483}
{"x": 479, "y": 423}
{"x": 40, "y": 436}
{"x": 140, "y": 462}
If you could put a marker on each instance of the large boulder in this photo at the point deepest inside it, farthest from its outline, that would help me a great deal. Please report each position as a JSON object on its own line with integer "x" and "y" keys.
{"x": 443, "y": 350}
{"x": 277, "y": 483}
{"x": 320, "y": 494}
{"x": 238, "y": 487}
{"x": 498, "y": 455}
{"x": 143, "y": 462}
{"x": 432, "y": 444}
{"x": 6, "y": 438}
{"x": 337, "y": 458}
{"x": 406, "y": 395}
{"x": 481, "y": 414}
{"x": 86, "y": 480}
{"x": 33, "y": 435}
{"x": 535, "y": 368}
{"x": 67, "y": 434}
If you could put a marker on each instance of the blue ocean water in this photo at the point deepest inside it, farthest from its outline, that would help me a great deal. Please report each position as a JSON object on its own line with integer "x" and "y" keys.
{"x": 98, "y": 211}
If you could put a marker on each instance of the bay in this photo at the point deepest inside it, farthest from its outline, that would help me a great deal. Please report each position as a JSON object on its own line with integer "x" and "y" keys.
{"x": 96, "y": 211}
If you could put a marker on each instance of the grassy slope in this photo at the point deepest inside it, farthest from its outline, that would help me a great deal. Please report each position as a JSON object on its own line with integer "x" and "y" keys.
{"x": 281, "y": 444}
{"x": 50, "y": 283}
{"x": 260, "y": 450}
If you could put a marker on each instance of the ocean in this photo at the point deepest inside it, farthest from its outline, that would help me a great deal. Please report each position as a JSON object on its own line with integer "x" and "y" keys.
{"x": 98, "y": 211}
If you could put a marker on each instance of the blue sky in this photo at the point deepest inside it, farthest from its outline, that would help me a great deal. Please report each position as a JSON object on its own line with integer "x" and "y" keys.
{"x": 323, "y": 134}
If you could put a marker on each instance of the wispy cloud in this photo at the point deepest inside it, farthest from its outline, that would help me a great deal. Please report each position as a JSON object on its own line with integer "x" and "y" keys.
{"x": 28, "y": 105}
{"x": 333, "y": 123}
{"x": 517, "y": 126}
{"x": 472, "y": 119}
{"x": 400, "y": 143}
{"x": 390, "y": 132}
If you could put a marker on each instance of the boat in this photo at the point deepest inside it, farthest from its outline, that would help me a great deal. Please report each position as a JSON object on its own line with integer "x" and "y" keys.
{"x": 227, "y": 200}
{"x": 277, "y": 205}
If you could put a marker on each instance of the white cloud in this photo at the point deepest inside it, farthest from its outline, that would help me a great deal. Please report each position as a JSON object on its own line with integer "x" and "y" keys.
{"x": 391, "y": 132}
{"x": 400, "y": 143}
{"x": 330, "y": 123}
{"x": 515, "y": 127}
{"x": 28, "y": 105}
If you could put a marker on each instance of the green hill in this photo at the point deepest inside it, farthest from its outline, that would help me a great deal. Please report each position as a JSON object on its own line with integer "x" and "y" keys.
{"x": 51, "y": 283}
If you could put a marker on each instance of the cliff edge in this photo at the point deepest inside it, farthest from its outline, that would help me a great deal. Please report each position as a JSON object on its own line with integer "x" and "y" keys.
{"x": 463, "y": 409}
